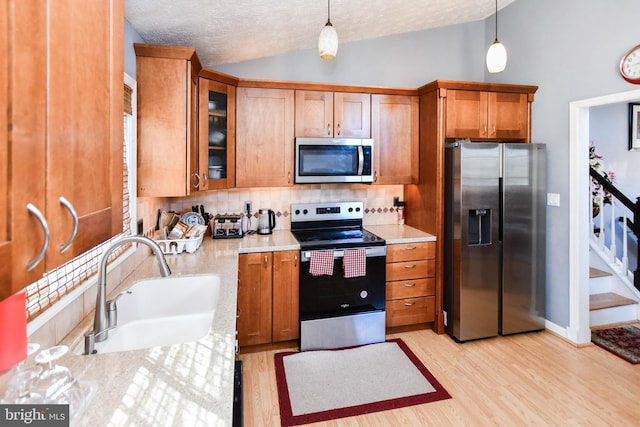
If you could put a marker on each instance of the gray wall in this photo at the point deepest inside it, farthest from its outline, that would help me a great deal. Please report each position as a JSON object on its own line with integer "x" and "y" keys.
{"x": 404, "y": 60}
{"x": 131, "y": 36}
{"x": 569, "y": 48}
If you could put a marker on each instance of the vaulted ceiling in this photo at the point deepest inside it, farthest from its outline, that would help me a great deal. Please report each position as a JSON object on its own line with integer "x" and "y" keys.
{"x": 228, "y": 31}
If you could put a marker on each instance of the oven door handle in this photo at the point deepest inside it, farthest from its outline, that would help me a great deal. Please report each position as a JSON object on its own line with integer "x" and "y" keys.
{"x": 374, "y": 251}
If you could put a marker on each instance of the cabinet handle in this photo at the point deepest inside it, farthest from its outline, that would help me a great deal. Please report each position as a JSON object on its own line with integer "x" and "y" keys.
{"x": 410, "y": 248}
{"x": 329, "y": 129}
{"x": 484, "y": 129}
{"x": 410, "y": 266}
{"x": 409, "y": 304}
{"x": 375, "y": 176}
{"x": 409, "y": 285}
{"x": 494, "y": 130}
{"x": 196, "y": 177}
{"x": 295, "y": 260}
{"x": 338, "y": 128}
{"x": 204, "y": 179}
{"x": 67, "y": 204}
{"x": 45, "y": 226}
{"x": 238, "y": 312}
{"x": 289, "y": 177}
{"x": 265, "y": 261}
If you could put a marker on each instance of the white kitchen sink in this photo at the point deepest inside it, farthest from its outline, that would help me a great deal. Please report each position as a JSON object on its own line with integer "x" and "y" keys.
{"x": 162, "y": 312}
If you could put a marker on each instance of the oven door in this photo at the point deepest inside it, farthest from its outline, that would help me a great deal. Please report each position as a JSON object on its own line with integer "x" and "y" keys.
{"x": 335, "y": 295}
{"x": 325, "y": 160}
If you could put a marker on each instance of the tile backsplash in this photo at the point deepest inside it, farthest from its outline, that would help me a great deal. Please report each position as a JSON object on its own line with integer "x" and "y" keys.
{"x": 377, "y": 200}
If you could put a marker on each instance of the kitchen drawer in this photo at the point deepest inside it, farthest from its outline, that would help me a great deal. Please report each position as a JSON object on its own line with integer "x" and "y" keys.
{"x": 410, "y": 288}
{"x": 410, "y": 270}
{"x": 411, "y": 251}
{"x": 410, "y": 311}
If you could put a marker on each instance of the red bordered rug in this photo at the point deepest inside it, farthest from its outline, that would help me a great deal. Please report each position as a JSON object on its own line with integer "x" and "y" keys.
{"x": 624, "y": 342}
{"x": 322, "y": 385}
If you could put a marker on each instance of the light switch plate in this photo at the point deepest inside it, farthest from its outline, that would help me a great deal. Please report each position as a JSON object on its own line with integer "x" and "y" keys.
{"x": 553, "y": 199}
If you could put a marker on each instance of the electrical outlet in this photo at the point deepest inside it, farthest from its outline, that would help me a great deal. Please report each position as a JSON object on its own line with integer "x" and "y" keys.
{"x": 247, "y": 206}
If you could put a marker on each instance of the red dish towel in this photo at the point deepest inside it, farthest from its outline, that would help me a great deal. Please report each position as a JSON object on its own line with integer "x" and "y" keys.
{"x": 321, "y": 263}
{"x": 355, "y": 263}
{"x": 13, "y": 331}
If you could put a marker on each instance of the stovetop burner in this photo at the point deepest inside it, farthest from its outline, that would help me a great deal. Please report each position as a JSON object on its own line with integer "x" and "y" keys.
{"x": 331, "y": 225}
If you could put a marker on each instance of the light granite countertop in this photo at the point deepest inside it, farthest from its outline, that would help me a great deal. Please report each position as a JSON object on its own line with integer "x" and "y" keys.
{"x": 191, "y": 383}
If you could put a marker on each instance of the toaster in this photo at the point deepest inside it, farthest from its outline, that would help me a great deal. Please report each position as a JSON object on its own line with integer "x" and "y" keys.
{"x": 226, "y": 226}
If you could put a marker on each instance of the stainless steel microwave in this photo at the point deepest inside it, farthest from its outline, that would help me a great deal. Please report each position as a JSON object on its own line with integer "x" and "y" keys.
{"x": 333, "y": 160}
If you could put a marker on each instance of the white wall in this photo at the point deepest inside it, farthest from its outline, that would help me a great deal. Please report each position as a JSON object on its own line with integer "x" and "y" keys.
{"x": 609, "y": 130}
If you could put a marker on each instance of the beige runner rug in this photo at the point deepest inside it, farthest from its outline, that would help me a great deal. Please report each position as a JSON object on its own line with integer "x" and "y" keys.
{"x": 321, "y": 385}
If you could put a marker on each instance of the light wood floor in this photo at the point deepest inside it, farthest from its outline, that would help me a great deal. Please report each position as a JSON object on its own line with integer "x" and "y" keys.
{"x": 533, "y": 379}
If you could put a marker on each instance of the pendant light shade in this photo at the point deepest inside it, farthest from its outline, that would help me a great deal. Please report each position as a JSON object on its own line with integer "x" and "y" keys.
{"x": 496, "y": 57}
{"x": 497, "y": 54}
{"x": 328, "y": 40}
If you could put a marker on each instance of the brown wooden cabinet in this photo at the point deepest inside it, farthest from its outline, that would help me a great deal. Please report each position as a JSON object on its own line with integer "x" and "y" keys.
{"x": 286, "y": 318}
{"x": 332, "y": 114}
{"x": 65, "y": 98}
{"x": 264, "y": 137}
{"x": 267, "y": 297}
{"x": 216, "y": 134}
{"x": 167, "y": 79}
{"x": 254, "y": 298}
{"x": 487, "y": 115}
{"x": 410, "y": 284}
{"x": 394, "y": 129}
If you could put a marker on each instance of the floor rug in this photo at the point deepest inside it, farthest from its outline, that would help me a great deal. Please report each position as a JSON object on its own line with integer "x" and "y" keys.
{"x": 623, "y": 342}
{"x": 321, "y": 385}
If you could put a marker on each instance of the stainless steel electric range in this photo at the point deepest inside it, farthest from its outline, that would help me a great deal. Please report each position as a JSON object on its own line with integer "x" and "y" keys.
{"x": 342, "y": 276}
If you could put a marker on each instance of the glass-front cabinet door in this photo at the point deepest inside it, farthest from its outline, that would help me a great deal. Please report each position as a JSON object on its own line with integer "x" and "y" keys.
{"x": 216, "y": 134}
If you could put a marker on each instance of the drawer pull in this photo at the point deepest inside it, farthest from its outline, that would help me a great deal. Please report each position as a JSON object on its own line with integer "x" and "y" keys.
{"x": 411, "y": 248}
{"x": 410, "y": 266}
{"x": 409, "y": 304}
{"x": 409, "y": 285}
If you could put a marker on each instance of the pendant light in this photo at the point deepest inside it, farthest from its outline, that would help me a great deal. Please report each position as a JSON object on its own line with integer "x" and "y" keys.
{"x": 328, "y": 40}
{"x": 497, "y": 54}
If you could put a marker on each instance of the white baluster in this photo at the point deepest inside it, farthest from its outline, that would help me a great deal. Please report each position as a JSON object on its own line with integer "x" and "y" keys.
{"x": 612, "y": 250}
{"x": 601, "y": 236}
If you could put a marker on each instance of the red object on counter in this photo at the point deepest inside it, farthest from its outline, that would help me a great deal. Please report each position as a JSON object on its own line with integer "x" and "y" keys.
{"x": 13, "y": 331}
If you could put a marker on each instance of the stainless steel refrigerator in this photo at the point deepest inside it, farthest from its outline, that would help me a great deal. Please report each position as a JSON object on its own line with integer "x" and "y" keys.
{"x": 494, "y": 243}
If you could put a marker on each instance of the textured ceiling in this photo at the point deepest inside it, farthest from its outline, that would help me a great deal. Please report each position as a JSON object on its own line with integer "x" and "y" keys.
{"x": 226, "y": 31}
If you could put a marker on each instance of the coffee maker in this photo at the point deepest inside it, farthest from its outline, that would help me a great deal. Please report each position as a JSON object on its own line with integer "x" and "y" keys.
{"x": 266, "y": 221}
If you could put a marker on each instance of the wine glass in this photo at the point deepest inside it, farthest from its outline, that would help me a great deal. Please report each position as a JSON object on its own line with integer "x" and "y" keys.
{"x": 20, "y": 389}
{"x": 56, "y": 384}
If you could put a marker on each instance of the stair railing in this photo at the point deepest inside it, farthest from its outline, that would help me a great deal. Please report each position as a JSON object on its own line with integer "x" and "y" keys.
{"x": 615, "y": 195}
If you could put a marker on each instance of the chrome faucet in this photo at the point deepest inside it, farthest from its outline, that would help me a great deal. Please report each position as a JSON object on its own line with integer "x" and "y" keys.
{"x": 106, "y": 311}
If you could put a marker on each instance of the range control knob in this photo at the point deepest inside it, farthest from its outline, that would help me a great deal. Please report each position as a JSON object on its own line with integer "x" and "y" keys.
{"x": 350, "y": 209}
{"x": 357, "y": 209}
{"x": 304, "y": 212}
{"x": 297, "y": 211}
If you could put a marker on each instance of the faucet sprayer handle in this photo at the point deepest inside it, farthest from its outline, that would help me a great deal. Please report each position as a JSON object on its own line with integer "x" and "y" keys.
{"x": 112, "y": 310}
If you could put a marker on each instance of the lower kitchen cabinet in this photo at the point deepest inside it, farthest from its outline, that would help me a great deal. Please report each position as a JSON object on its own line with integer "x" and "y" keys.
{"x": 267, "y": 297}
{"x": 410, "y": 297}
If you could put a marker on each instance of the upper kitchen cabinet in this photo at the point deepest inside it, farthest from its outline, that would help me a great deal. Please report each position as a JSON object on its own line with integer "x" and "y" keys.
{"x": 333, "y": 114}
{"x": 63, "y": 85}
{"x": 216, "y": 134}
{"x": 477, "y": 114}
{"x": 394, "y": 129}
{"x": 167, "y": 78}
{"x": 264, "y": 137}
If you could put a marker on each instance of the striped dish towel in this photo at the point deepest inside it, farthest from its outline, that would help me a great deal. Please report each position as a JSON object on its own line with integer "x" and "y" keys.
{"x": 355, "y": 263}
{"x": 321, "y": 263}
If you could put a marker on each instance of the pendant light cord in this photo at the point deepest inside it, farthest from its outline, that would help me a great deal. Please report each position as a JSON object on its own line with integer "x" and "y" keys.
{"x": 496, "y": 20}
{"x": 329, "y": 12}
